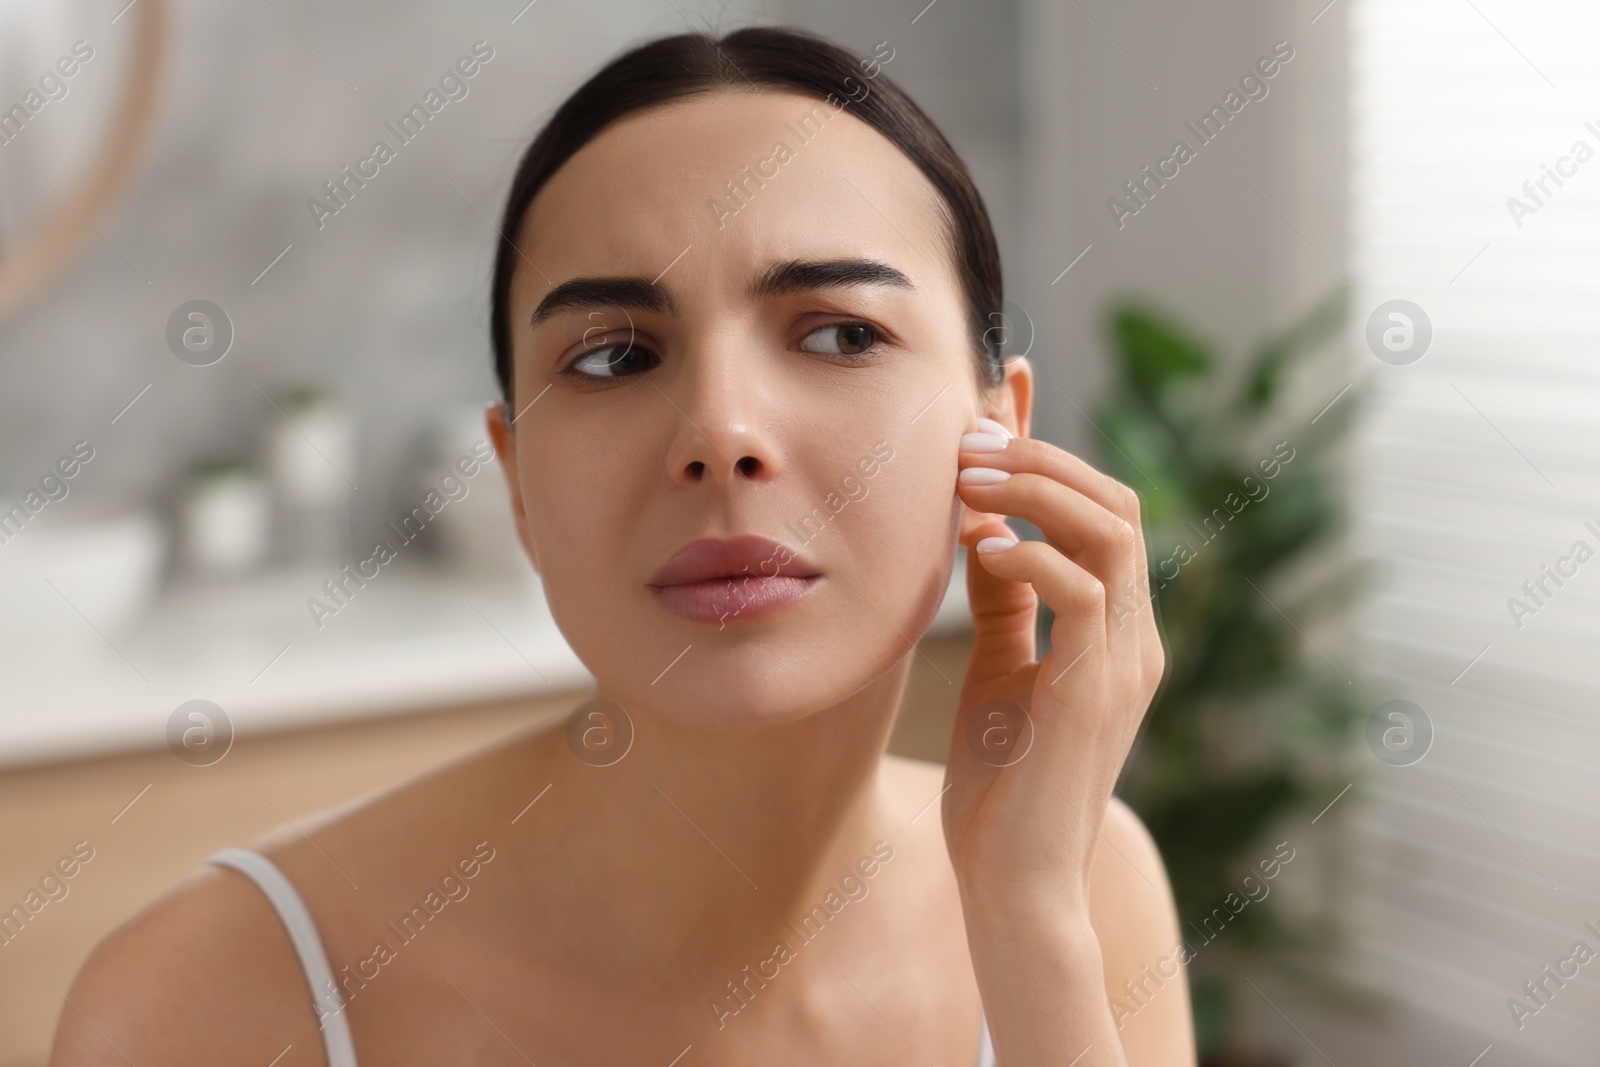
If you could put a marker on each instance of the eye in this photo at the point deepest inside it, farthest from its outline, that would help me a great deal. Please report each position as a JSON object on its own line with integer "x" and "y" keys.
{"x": 842, "y": 339}
{"x": 619, "y": 359}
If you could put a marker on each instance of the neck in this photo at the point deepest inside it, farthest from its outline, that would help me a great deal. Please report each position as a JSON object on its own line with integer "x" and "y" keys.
{"x": 699, "y": 847}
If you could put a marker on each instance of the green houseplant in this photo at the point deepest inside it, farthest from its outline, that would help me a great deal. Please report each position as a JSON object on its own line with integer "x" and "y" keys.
{"x": 1251, "y": 724}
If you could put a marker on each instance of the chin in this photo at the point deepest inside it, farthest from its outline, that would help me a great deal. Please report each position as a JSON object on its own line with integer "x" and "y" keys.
{"x": 751, "y": 674}
{"x": 755, "y": 673}
{"x": 748, "y": 684}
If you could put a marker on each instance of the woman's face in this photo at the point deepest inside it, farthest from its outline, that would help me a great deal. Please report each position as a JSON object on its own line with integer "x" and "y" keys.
{"x": 739, "y": 314}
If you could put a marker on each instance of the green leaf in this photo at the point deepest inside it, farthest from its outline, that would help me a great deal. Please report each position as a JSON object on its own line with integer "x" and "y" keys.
{"x": 1153, "y": 351}
{"x": 1266, "y": 367}
{"x": 1248, "y": 727}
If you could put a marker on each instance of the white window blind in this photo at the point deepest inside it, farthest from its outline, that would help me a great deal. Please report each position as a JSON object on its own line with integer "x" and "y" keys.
{"x": 1479, "y": 471}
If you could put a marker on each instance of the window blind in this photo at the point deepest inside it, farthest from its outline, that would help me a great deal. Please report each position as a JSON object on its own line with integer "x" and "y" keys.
{"x": 1475, "y": 196}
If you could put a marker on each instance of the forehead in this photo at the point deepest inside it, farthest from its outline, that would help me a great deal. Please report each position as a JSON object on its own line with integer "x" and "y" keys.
{"x": 721, "y": 184}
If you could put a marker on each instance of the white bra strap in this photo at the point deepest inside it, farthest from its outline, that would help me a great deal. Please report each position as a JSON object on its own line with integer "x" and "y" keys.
{"x": 280, "y": 892}
{"x": 985, "y": 1044}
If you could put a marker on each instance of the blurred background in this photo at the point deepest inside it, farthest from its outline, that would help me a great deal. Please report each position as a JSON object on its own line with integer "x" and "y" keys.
{"x": 1342, "y": 342}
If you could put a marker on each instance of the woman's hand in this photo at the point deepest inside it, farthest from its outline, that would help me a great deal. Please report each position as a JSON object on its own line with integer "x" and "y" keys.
{"x": 1038, "y": 746}
{"x": 1037, "y": 750}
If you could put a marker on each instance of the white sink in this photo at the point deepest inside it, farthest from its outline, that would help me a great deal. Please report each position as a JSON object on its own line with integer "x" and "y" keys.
{"x": 71, "y": 584}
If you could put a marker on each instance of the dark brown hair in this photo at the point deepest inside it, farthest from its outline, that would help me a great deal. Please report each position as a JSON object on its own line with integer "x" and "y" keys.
{"x": 760, "y": 58}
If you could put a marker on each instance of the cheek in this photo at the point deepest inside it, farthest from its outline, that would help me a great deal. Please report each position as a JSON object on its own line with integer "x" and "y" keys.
{"x": 900, "y": 543}
{"x": 581, "y": 502}
{"x": 907, "y": 501}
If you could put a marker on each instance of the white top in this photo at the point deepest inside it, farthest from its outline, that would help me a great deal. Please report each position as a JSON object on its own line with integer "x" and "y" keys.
{"x": 325, "y": 999}
{"x": 286, "y": 901}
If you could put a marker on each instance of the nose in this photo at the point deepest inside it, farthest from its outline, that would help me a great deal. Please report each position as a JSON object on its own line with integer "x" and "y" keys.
{"x": 724, "y": 430}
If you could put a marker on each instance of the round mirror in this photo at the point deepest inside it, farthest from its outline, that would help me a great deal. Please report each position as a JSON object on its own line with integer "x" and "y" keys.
{"x": 77, "y": 93}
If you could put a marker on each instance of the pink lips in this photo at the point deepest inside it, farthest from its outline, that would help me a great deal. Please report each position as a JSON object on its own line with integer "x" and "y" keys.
{"x": 736, "y": 578}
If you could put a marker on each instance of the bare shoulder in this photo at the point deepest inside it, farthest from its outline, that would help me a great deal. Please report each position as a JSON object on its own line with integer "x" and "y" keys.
{"x": 204, "y": 974}
{"x": 1132, "y": 906}
{"x": 1133, "y": 912}
{"x": 1129, "y": 887}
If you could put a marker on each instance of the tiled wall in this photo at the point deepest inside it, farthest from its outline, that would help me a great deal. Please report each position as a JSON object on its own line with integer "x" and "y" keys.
{"x": 387, "y": 300}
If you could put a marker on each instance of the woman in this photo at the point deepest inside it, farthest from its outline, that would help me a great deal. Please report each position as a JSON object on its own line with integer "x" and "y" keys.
{"x": 753, "y": 404}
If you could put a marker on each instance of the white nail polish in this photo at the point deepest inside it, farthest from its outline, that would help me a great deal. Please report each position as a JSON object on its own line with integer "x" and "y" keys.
{"x": 982, "y": 475}
{"x": 987, "y": 425}
{"x": 994, "y": 544}
{"x": 983, "y": 442}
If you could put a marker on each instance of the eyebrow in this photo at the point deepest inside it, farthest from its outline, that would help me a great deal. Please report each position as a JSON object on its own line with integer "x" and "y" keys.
{"x": 792, "y": 276}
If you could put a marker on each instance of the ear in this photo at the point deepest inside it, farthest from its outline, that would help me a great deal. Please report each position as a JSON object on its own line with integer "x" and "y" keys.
{"x": 1011, "y": 405}
{"x": 502, "y": 434}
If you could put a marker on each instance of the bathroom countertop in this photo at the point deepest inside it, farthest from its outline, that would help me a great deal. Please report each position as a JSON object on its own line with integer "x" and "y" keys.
{"x": 411, "y": 640}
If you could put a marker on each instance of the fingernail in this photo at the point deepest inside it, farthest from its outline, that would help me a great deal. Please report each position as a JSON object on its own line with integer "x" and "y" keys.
{"x": 983, "y": 442}
{"x": 994, "y": 544}
{"x": 982, "y": 475}
{"x": 990, "y": 426}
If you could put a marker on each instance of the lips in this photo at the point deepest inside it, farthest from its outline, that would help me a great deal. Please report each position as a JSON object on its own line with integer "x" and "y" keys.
{"x": 732, "y": 579}
{"x": 745, "y": 556}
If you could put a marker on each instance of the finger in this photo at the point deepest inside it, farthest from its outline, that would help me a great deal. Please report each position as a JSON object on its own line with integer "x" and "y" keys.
{"x": 1129, "y": 597}
{"x": 1005, "y": 612}
{"x": 1042, "y": 457}
{"x": 1090, "y": 534}
{"x": 1016, "y": 454}
{"x": 1075, "y": 595}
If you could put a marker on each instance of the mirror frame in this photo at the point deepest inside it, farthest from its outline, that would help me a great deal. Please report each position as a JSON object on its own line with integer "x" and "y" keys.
{"x": 36, "y": 261}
